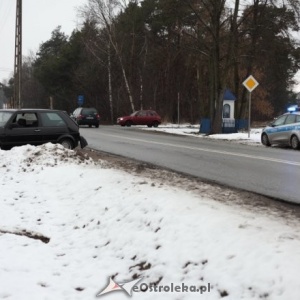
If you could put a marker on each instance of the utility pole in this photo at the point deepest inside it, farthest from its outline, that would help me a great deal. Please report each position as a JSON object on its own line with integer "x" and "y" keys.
{"x": 18, "y": 56}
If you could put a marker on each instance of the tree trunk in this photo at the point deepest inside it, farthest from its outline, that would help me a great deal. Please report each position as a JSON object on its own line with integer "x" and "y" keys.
{"x": 127, "y": 85}
{"x": 252, "y": 55}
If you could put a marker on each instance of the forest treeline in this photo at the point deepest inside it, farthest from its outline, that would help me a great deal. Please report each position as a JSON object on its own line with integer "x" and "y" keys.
{"x": 169, "y": 54}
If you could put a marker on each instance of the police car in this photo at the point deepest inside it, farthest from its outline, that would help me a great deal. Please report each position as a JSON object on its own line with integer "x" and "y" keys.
{"x": 285, "y": 130}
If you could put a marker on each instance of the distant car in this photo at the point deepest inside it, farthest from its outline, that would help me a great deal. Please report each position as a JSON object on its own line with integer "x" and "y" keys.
{"x": 86, "y": 116}
{"x": 285, "y": 130}
{"x": 141, "y": 117}
{"x": 38, "y": 126}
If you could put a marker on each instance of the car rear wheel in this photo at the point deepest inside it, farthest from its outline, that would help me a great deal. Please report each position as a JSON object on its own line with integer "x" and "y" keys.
{"x": 155, "y": 124}
{"x": 295, "y": 142}
{"x": 67, "y": 143}
{"x": 265, "y": 140}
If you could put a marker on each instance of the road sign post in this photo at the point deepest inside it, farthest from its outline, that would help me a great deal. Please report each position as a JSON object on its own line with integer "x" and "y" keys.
{"x": 250, "y": 84}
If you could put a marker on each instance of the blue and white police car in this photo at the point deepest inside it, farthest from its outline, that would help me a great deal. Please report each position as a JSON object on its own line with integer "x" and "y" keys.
{"x": 285, "y": 130}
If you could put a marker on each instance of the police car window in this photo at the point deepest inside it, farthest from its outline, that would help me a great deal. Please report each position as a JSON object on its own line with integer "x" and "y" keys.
{"x": 279, "y": 121}
{"x": 297, "y": 118}
{"x": 290, "y": 119}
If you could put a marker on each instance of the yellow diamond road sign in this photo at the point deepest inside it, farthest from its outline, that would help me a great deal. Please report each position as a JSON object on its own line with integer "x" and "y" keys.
{"x": 250, "y": 83}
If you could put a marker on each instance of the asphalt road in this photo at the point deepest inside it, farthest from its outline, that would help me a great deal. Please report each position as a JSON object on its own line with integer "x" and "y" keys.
{"x": 272, "y": 172}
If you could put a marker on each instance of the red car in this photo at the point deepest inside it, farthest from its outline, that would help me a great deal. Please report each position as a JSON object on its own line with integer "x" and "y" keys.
{"x": 141, "y": 117}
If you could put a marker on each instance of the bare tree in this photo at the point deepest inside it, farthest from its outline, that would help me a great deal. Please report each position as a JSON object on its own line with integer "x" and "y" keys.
{"x": 103, "y": 12}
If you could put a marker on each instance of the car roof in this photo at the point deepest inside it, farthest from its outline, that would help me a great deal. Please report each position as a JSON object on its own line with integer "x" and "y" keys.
{"x": 86, "y": 107}
{"x": 29, "y": 109}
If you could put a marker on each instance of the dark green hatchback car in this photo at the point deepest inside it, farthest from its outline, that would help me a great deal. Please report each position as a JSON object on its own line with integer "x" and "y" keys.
{"x": 86, "y": 116}
{"x": 38, "y": 126}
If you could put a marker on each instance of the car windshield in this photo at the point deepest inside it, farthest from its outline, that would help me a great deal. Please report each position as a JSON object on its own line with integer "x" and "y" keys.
{"x": 4, "y": 117}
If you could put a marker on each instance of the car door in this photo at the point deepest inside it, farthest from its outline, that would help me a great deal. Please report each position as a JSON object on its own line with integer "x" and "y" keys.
{"x": 53, "y": 126}
{"x": 275, "y": 131}
{"x": 153, "y": 117}
{"x": 141, "y": 118}
{"x": 135, "y": 118}
{"x": 23, "y": 129}
{"x": 290, "y": 124}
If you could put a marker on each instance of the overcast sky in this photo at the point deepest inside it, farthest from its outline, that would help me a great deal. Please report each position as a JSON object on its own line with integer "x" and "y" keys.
{"x": 40, "y": 18}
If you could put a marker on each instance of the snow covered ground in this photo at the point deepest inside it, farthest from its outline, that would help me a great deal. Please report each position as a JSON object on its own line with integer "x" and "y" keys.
{"x": 189, "y": 129}
{"x": 68, "y": 224}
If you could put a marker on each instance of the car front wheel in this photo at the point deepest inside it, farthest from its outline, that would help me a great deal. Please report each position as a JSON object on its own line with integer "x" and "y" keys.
{"x": 265, "y": 140}
{"x": 295, "y": 142}
{"x": 67, "y": 143}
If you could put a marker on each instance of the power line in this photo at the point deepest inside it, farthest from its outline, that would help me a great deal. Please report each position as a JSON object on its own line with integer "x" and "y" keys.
{"x": 5, "y": 15}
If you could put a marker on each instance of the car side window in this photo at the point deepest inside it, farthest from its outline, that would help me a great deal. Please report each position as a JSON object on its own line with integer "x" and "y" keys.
{"x": 52, "y": 119}
{"x": 142, "y": 113}
{"x": 4, "y": 117}
{"x": 297, "y": 118}
{"x": 290, "y": 119}
{"x": 279, "y": 121}
{"x": 26, "y": 120}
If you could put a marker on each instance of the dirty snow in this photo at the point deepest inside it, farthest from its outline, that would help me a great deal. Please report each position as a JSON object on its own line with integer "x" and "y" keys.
{"x": 68, "y": 223}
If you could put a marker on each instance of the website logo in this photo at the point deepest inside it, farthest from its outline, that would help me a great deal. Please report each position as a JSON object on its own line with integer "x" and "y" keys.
{"x": 114, "y": 286}
{"x": 132, "y": 286}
